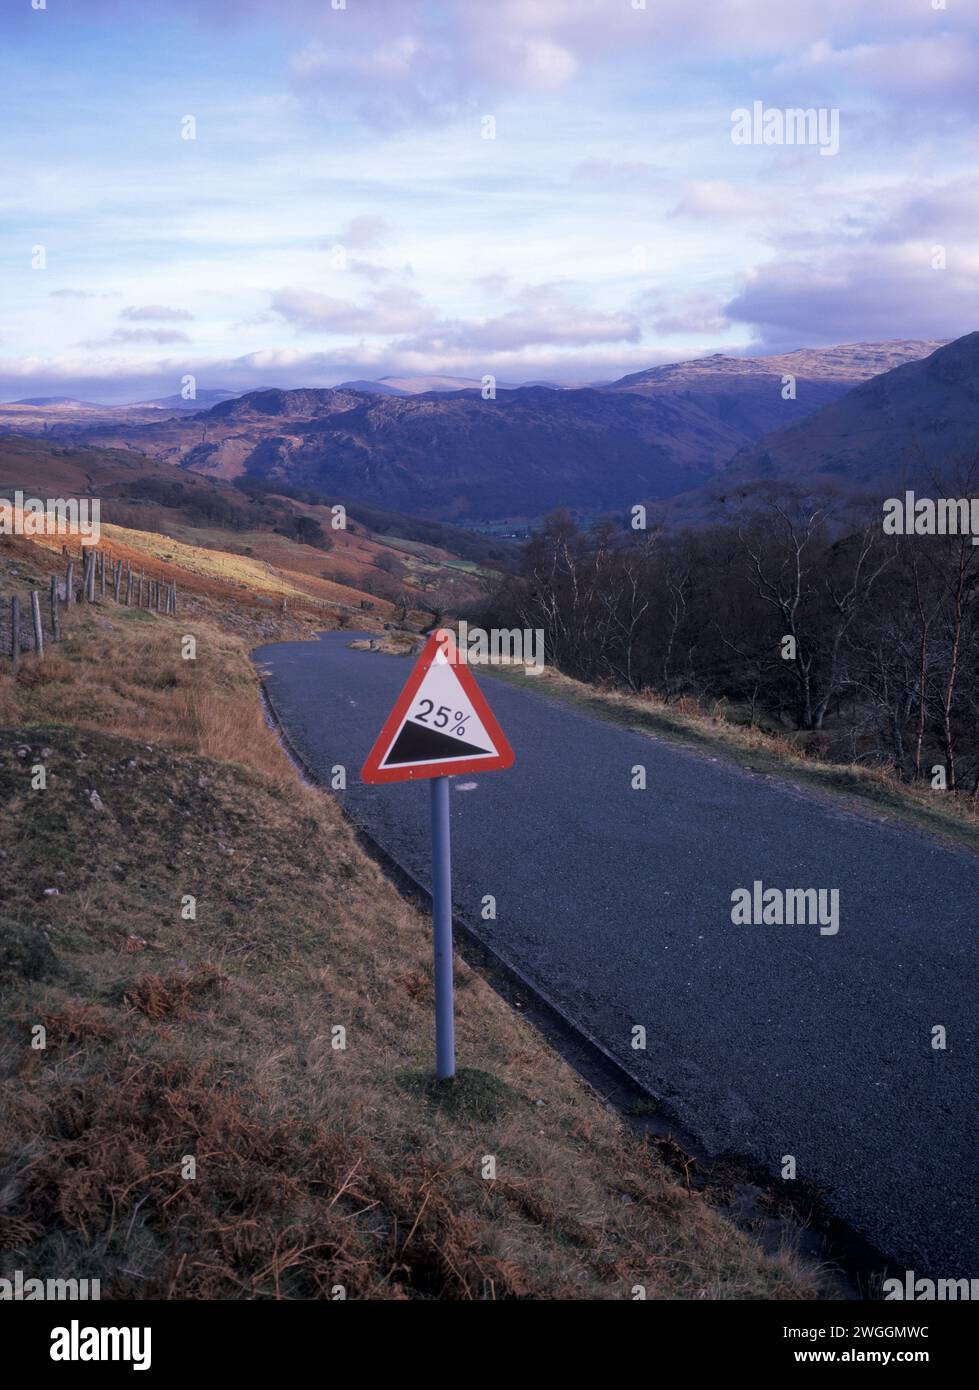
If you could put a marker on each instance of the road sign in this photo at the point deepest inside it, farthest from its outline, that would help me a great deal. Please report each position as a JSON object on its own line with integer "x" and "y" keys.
{"x": 440, "y": 724}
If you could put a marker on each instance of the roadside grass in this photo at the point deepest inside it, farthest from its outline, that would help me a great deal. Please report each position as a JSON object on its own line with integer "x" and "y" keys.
{"x": 213, "y": 1037}
{"x": 124, "y": 674}
{"x": 774, "y": 754}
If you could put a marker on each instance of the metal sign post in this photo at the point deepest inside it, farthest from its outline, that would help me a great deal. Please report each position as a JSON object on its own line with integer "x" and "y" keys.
{"x": 440, "y": 725}
{"x": 445, "y": 1046}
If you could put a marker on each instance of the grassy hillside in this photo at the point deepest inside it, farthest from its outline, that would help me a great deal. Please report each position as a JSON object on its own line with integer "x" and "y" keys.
{"x": 212, "y": 1037}
{"x": 252, "y": 532}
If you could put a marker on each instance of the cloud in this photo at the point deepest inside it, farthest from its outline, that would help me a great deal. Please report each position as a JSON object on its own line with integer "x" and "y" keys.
{"x": 542, "y": 314}
{"x": 395, "y": 310}
{"x": 544, "y": 63}
{"x": 936, "y": 71}
{"x": 696, "y": 312}
{"x": 72, "y": 294}
{"x": 872, "y": 273}
{"x": 365, "y": 233}
{"x": 158, "y": 312}
{"x": 942, "y": 212}
{"x": 614, "y": 173}
{"x": 495, "y": 284}
{"x": 714, "y": 198}
{"x": 160, "y": 336}
{"x": 867, "y": 293}
{"x": 367, "y": 270}
{"x": 403, "y": 60}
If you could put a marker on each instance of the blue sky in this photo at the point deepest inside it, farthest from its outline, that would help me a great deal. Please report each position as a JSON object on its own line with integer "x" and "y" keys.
{"x": 340, "y": 213}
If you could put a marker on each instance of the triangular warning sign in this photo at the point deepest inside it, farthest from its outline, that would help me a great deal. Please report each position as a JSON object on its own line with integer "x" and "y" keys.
{"x": 440, "y": 724}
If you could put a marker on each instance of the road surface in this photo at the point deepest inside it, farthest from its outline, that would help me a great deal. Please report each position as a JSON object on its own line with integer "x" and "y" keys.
{"x": 762, "y": 1040}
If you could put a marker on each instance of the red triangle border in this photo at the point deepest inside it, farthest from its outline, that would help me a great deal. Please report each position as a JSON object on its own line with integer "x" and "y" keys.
{"x": 373, "y": 772}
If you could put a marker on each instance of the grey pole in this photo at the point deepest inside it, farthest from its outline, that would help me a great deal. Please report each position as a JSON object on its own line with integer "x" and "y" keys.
{"x": 445, "y": 1048}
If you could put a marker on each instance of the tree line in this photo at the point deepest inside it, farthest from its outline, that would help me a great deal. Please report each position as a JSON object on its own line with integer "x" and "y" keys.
{"x": 799, "y": 612}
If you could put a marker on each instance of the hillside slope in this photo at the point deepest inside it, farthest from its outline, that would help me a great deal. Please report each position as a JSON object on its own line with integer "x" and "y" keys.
{"x": 210, "y": 528}
{"x": 899, "y": 427}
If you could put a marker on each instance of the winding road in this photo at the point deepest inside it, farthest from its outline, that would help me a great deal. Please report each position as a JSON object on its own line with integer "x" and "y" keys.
{"x": 761, "y": 1040}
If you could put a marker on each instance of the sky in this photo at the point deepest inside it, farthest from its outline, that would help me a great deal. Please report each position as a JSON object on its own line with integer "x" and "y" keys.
{"x": 528, "y": 189}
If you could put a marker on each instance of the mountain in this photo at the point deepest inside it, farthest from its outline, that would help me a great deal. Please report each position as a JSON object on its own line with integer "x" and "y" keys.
{"x": 55, "y": 400}
{"x": 379, "y": 388}
{"x": 747, "y": 392}
{"x": 419, "y": 385}
{"x": 901, "y": 426}
{"x": 451, "y": 455}
{"x": 202, "y": 400}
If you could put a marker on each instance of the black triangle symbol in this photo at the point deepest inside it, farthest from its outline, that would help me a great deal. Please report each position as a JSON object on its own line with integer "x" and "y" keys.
{"x": 417, "y": 744}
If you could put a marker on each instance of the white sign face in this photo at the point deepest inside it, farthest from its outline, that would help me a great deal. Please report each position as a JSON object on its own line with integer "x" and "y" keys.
{"x": 440, "y": 724}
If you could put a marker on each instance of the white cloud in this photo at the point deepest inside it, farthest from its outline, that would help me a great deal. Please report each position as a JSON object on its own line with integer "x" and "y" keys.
{"x": 158, "y": 312}
{"x": 714, "y": 198}
{"x": 394, "y": 310}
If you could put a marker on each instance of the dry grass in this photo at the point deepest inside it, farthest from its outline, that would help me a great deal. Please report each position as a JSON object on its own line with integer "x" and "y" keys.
{"x": 124, "y": 674}
{"x": 316, "y": 1165}
{"x": 163, "y": 996}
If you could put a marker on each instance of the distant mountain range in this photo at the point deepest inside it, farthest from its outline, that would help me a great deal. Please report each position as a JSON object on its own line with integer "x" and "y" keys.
{"x": 681, "y": 428}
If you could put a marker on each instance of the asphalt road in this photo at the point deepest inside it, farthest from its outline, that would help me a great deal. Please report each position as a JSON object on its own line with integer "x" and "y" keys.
{"x": 763, "y": 1041}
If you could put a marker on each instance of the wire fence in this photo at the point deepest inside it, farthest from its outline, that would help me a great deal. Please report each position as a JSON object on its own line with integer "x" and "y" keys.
{"x": 97, "y": 579}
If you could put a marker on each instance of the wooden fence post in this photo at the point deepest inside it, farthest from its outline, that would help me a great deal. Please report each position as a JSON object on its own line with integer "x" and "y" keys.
{"x": 70, "y": 585}
{"x": 38, "y": 628}
{"x": 129, "y": 587}
{"x": 102, "y": 575}
{"x": 14, "y": 631}
{"x": 88, "y": 578}
{"x": 117, "y": 581}
{"x": 55, "y": 614}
